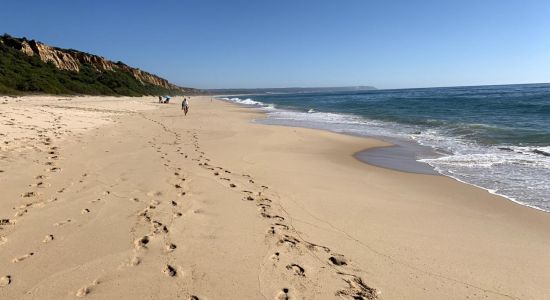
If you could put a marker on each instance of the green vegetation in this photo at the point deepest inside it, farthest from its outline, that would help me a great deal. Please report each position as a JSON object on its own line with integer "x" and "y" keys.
{"x": 23, "y": 74}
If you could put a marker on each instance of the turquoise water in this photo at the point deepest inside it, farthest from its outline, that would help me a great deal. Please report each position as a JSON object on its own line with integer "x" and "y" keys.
{"x": 495, "y": 137}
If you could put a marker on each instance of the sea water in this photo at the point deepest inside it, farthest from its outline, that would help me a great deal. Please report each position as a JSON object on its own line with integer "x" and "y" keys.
{"x": 494, "y": 137}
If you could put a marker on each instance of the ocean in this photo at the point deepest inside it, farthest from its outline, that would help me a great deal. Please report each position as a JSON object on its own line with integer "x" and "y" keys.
{"x": 493, "y": 137}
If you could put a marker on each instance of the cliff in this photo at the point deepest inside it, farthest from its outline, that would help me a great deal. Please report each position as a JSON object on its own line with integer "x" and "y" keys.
{"x": 73, "y": 61}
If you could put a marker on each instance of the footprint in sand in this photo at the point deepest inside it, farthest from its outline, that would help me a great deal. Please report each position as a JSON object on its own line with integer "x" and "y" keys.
{"x": 357, "y": 289}
{"x": 284, "y": 226}
{"x": 135, "y": 261}
{"x": 5, "y": 280}
{"x": 263, "y": 207}
{"x": 271, "y": 231}
{"x": 338, "y": 260}
{"x": 170, "y": 247}
{"x": 48, "y": 238}
{"x": 7, "y": 222}
{"x": 283, "y": 294}
{"x": 83, "y": 291}
{"x": 85, "y": 211}
{"x": 53, "y": 199}
{"x": 28, "y": 194}
{"x": 21, "y": 213}
{"x": 289, "y": 240}
{"x": 58, "y": 224}
{"x": 22, "y": 257}
{"x": 142, "y": 242}
{"x": 268, "y": 216}
{"x": 96, "y": 200}
{"x": 170, "y": 271}
{"x": 38, "y": 184}
{"x": 297, "y": 269}
{"x": 3, "y": 240}
{"x": 275, "y": 256}
{"x": 154, "y": 193}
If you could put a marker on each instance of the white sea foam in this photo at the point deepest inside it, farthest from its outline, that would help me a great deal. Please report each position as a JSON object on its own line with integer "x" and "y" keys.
{"x": 246, "y": 101}
{"x": 517, "y": 173}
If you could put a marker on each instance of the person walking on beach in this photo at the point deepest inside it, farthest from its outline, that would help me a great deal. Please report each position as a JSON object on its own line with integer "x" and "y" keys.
{"x": 185, "y": 105}
{"x": 160, "y": 99}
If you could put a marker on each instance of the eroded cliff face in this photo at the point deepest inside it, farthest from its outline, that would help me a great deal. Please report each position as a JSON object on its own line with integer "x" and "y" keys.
{"x": 72, "y": 60}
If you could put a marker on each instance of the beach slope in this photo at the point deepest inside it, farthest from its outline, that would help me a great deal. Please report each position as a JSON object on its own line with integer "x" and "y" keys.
{"x": 127, "y": 198}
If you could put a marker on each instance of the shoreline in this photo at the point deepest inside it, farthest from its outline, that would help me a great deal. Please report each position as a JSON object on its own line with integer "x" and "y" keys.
{"x": 483, "y": 201}
{"x": 136, "y": 202}
{"x": 377, "y": 157}
{"x": 410, "y": 164}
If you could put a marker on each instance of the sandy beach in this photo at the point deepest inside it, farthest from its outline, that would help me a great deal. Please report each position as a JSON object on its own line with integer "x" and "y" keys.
{"x": 105, "y": 197}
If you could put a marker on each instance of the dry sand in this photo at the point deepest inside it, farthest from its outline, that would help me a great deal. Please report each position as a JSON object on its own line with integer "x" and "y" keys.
{"x": 126, "y": 198}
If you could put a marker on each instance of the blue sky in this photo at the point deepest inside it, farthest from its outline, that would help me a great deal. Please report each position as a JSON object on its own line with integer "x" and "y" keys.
{"x": 255, "y": 43}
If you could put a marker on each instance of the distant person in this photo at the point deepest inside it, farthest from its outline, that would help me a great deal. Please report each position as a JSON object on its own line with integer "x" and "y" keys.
{"x": 160, "y": 99}
{"x": 185, "y": 106}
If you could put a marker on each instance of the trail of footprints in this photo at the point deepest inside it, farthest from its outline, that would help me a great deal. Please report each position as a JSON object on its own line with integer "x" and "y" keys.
{"x": 153, "y": 214}
{"x": 34, "y": 197}
{"x": 281, "y": 233}
{"x": 284, "y": 235}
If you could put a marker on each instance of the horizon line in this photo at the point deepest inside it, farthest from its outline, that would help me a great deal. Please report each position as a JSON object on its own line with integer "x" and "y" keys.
{"x": 371, "y": 86}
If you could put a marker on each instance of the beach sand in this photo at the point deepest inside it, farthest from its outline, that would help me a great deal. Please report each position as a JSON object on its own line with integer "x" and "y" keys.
{"x": 126, "y": 198}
